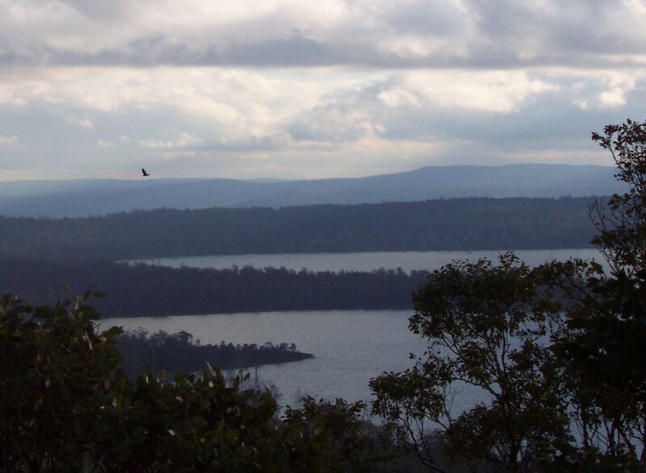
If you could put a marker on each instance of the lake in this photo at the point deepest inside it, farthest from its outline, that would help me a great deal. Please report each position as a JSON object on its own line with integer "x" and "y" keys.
{"x": 406, "y": 260}
{"x": 350, "y": 347}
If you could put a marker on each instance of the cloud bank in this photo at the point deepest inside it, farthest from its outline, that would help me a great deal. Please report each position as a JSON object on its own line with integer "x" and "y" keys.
{"x": 300, "y": 89}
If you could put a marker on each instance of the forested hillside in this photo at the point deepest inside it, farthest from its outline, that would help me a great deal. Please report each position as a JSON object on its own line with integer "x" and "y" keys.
{"x": 149, "y": 290}
{"x": 451, "y": 224}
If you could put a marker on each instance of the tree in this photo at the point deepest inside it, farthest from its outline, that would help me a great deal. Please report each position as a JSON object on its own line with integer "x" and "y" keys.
{"x": 330, "y": 437}
{"x": 602, "y": 348}
{"x": 57, "y": 377}
{"x": 486, "y": 328}
{"x": 67, "y": 405}
{"x": 558, "y": 350}
{"x": 622, "y": 223}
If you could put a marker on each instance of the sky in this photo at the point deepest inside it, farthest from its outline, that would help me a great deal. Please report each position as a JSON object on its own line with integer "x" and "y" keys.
{"x": 302, "y": 89}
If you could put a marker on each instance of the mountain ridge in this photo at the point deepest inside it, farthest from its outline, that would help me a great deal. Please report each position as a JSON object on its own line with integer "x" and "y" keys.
{"x": 80, "y": 198}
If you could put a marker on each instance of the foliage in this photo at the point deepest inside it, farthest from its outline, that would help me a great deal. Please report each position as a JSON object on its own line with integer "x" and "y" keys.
{"x": 603, "y": 346}
{"x": 331, "y": 437}
{"x": 66, "y": 405}
{"x": 56, "y": 379}
{"x": 558, "y": 350}
{"x": 194, "y": 423}
{"x": 179, "y": 351}
{"x": 153, "y": 290}
{"x": 445, "y": 224}
{"x": 622, "y": 227}
{"x": 486, "y": 328}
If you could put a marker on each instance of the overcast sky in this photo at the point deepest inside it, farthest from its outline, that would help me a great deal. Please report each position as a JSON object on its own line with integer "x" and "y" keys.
{"x": 304, "y": 89}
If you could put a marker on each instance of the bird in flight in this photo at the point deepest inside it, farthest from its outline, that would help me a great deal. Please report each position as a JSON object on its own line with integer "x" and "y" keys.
{"x": 145, "y": 174}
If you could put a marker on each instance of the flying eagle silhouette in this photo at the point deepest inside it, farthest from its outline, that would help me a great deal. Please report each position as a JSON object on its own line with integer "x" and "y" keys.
{"x": 145, "y": 174}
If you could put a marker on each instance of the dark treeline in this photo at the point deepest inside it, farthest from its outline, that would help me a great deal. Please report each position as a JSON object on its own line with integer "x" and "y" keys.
{"x": 452, "y": 224}
{"x": 143, "y": 290}
{"x": 179, "y": 351}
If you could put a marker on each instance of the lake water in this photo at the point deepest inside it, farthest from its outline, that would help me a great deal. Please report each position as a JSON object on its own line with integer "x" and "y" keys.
{"x": 350, "y": 347}
{"x": 406, "y": 260}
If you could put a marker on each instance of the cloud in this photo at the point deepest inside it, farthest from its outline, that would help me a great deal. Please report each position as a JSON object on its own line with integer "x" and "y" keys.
{"x": 305, "y": 89}
{"x": 9, "y": 140}
{"x": 85, "y": 123}
{"x": 230, "y": 104}
{"x": 493, "y": 91}
{"x": 435, "y": 105}
{"x": 181, "y": 140}
{"x": 309, "y": 122}
{"x": 410, "y": 33}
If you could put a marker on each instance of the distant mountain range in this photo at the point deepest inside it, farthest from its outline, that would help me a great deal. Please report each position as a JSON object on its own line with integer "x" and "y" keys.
{"x": 75, "y": 198}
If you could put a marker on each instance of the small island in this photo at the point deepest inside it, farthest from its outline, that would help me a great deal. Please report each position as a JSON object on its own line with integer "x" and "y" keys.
{"x": 181, "y": 351}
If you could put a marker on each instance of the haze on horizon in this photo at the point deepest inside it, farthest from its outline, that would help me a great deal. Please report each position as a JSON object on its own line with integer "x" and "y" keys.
{"x": 296, "y": 89}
